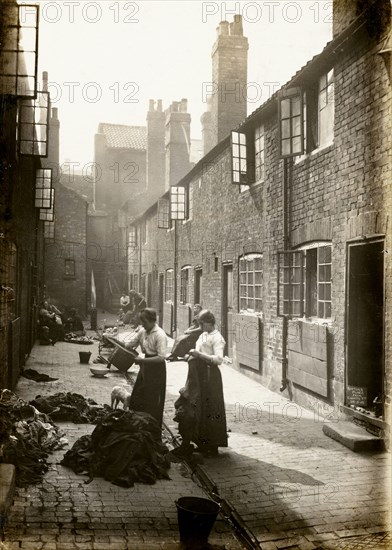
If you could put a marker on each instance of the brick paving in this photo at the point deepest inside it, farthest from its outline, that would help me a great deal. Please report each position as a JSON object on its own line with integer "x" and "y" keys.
{"x": 292, "y": 486}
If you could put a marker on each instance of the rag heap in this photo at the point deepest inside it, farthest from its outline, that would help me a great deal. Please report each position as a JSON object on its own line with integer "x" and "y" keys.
{"x": 124, "y": 448}
{"x": 70, "y": 407}
{"x": 26, "y": 438}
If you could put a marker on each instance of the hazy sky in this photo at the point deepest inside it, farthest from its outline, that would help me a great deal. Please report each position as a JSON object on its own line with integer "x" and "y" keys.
{"x": 106, "y": 59}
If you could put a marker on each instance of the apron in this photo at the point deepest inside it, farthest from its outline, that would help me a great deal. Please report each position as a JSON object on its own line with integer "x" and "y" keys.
{"x": 148, "y": 394}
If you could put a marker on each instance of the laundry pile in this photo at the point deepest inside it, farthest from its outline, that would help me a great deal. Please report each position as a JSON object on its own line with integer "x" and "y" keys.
{"x": 26, "y": 438}
{"x": 124, "y": 448}
{"x": 70, "y": 406}
{"x": 32, "y": 374}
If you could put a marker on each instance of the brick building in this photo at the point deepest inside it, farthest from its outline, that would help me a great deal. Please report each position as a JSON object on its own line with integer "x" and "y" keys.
{"x": 23, "y": 146}
{"x": 134, "y": 165}
{"x": 286, "y": 232}
{"x": 65, "y": 250}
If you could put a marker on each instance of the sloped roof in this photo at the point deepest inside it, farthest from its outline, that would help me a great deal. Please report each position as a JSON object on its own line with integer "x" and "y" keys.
{"x": 120, "y": 136}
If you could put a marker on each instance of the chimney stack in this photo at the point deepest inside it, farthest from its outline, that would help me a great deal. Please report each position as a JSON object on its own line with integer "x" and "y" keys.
{"x": 177, "y": 141}
{"x": 155, "y": 149}
{"x": 229, "y": 79}
{"x": 206, "y": 129}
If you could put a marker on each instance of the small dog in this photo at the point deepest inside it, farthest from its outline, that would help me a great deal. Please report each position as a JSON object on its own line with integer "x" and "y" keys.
{"x": 120, "y": 393}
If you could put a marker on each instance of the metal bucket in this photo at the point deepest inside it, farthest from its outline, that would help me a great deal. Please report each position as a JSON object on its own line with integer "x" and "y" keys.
{"x": 196, "y": 518}
{"x": 84, "y": 357}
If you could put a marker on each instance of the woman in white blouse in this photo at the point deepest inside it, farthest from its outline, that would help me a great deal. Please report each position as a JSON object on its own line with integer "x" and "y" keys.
{"x": 148, "y": 394}
{"x": 200, "y": 409}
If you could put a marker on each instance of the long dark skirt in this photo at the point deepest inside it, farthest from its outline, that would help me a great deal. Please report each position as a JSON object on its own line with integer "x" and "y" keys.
{"x": 148, "y": 394}
{"x": 200, "y": 409}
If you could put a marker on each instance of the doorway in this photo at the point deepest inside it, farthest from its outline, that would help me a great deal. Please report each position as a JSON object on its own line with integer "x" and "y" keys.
{"x": 365, "y": 320}
{"x": 161, "y": 280}
{"x": 227, "y": 306}
{"x": 198, "y": 286}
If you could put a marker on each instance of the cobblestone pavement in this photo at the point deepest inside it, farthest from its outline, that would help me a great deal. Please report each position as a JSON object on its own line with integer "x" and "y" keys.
{"x": 293, "y": 487}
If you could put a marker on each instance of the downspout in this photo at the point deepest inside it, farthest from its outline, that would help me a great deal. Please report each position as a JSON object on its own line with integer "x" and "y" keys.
{"x": 174, "y": 328}
{"x": 140, "y": 259}
{"x": 287, "y": 180}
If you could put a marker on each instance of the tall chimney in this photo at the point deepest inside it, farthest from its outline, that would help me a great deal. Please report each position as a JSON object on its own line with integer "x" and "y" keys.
{"x": 54, "y": 139}
{"x": 229, "y": 78}
{"x": 155, "y": 149}
{"x": 207, "y": 129}
{"x": 378, "y": 17}
{"x": 177, "y": 141}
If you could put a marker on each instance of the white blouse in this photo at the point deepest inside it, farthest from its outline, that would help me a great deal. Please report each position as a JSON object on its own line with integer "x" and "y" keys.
{"x": 153, "y": 342}
{"x": 213, "y": 344}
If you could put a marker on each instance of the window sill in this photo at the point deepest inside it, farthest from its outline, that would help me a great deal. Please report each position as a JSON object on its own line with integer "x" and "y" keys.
{"x": 186, "y": 221}
{"x": 69, "y": 276}
{"x": 320, "y": 150}
{"x": 316, "y": 320}
{"x": 252, "y": 186}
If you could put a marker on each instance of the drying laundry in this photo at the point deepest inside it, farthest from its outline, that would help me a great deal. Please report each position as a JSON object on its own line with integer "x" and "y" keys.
{"x": 32, "y": 374}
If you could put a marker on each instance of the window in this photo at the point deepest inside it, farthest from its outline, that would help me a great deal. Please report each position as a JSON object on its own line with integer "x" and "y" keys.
{"x": 251, "y": 282}
{"x": 47, "y": 214}
{"x": 242, "y": 158}
{"x": 49, "y": 230}
{"x": 189, "y": 201}
{"x": 18, "y": 68}
{"x": 143, "y": 232}
{"x": 326, "y": 110}
{"x": 169, "y": 286}
{"x": 132, "y": 237}
{"x": 136, "y": 282}
{"x": 177, "y": 203}
{"x": 305, "y": 281}
{"x": 163, "y": 214}
{"x": 291, "y": 122}
{"x": 33, "y": 121}
{"x": 69, "y": 268}
{"x": 259, "y": 153}
{"x": 43, "y": 188}
{"x": 184, "y": 285}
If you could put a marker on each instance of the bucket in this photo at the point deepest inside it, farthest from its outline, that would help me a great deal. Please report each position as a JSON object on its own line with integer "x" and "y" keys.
{"x": 84, "y": 356}
{"x": 196, "y": 517}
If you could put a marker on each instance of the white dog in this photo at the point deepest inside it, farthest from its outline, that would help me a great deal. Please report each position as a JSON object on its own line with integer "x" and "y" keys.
{"x": 120, "y": 393}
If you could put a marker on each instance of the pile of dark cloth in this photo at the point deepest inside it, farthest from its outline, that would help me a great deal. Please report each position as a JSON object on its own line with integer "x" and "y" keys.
{"x": 124, "y": 448}
{"x": 32, "y": 374}
{"x": 70, "y": 407}
{"x": 26, "y": 438}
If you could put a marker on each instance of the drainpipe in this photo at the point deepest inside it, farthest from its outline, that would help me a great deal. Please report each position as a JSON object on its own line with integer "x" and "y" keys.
{"x": 175, "y": 277}
{"x": 287, "y": 177}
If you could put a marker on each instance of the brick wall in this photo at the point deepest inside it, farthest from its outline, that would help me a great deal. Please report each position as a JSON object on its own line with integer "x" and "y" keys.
{"x": 339, "y": 193}
{"x": 67, "y": 290}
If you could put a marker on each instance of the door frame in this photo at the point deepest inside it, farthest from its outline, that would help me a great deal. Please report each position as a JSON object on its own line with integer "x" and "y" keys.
{"x": 350, "y": 245}
{"x": 226, "y": 268}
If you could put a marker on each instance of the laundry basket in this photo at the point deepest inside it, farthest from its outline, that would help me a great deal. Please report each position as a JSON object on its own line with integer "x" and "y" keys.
{"x": 121, "y": 358}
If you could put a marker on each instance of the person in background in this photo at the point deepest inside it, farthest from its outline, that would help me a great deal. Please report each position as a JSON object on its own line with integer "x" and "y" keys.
{"x": 74, "y": 323}
{"x": 47, "y": 319}
{"x": 125, "y": 302}
{"x": 149, "y": 391}
{"x": 187, "y": 341}
{"x": 200, "y": 409}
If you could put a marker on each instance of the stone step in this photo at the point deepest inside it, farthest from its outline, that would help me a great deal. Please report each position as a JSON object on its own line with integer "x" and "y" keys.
{"x": 354, "y": 437}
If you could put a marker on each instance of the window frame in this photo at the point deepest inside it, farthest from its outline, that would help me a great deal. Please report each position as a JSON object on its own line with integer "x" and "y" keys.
{"x": 169, "y": 285}
{"x": 245, "y": 286}
{"x": 185, "y": 284}
{"x": 72, "y": 273}
{"x": 290, "y": 108}
{"x": 242, "y": 158}
{"x": 309, "y": 300}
